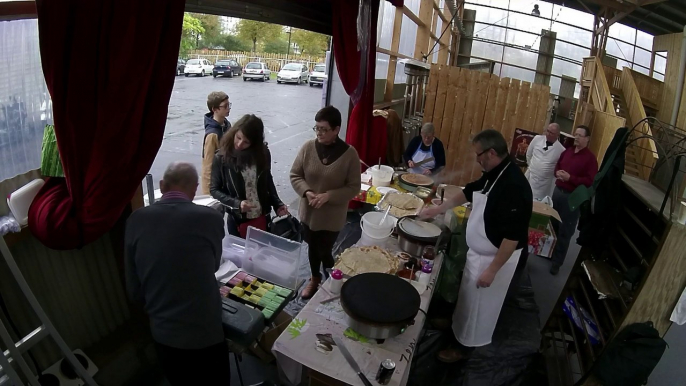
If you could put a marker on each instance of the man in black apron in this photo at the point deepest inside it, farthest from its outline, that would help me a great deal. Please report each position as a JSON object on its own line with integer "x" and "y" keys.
{"x": 497, "y": 231}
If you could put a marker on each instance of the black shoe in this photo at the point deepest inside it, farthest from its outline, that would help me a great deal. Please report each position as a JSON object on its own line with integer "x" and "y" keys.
{"x": 554, "y": 269}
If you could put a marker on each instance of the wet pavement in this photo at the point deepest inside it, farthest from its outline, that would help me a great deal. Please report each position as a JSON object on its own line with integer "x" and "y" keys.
{"x": 287, "y": 111}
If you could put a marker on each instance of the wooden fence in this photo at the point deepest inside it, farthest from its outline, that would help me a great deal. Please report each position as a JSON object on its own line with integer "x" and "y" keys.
{"x": 273, "y": 61}
{"x": 461, "y": 103}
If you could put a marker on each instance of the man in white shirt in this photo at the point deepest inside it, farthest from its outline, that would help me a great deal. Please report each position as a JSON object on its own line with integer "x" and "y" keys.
{"x": 542, "y": 156}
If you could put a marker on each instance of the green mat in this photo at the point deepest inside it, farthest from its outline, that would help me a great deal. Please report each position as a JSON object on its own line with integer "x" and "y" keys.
{"x": 51, "y": 165}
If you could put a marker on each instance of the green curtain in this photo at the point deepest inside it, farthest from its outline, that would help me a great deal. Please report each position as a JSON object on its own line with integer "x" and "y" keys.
{"x": 51, "y": 165}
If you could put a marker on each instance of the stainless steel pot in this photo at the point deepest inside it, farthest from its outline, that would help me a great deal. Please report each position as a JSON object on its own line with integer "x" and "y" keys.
{"x": 414, "y": 248}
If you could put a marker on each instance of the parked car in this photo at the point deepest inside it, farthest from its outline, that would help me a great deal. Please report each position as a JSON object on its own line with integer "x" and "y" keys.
{"x": 227, "y": 67}
{"x": 256, "y": 70}
{"x": 318, "y": 75}
{"x": 200, "y": 67}
{"x": 292, "y": 73}
{"x": 180, "y": 65}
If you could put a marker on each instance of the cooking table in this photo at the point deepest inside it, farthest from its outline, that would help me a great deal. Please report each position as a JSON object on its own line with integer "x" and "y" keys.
{"x": 295, "y": 347}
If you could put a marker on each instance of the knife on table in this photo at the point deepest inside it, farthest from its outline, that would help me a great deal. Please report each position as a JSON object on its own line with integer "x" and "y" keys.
{"x": 351, "y": 360}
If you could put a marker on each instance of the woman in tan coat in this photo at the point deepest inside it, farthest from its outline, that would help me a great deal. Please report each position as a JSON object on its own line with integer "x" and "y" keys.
{"x": 326, "y": 174}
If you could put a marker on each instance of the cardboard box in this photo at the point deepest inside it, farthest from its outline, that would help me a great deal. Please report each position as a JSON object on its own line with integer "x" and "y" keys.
{"x": 542, "y": 238}
{"x": 263, "y": 347}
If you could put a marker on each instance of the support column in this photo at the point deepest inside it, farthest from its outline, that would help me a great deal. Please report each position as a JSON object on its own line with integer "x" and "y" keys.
{"x": 465, "y": 45}
{"x": 546, "y": 51}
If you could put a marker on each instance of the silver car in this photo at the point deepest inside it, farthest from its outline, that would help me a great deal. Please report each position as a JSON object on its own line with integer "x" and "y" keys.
{"x": 256, "y": 70}
{"x": 292, "y": 73}
{"x": 318, "y": 75}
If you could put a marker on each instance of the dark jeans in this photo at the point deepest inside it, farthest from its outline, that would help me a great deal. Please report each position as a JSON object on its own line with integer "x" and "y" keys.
{"x": 566, "y": 228}
{"x": 205, "y": 366}
{"x": 320, "y": 247}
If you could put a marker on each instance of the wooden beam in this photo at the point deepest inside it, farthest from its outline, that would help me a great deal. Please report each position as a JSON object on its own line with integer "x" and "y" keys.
{"x": 412, "y": 16}
{"x": 439, "y": 12}
{"x": 393, "y": 60}
{"x": 617, "y": 17}
{"x": 421, "y": 46}
{"x": 392, "y": 53}
{"x": 642, "y": 3}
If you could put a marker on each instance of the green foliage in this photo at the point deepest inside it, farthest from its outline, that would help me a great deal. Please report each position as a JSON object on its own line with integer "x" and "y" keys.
{"x": 277, "y": 46}
{"x": 232, "y": 43}
{"x": 213, "y": 30}
{"x": 257, "y": 31}
{"x": 310, "y": 43}
{"x": 190, "y": 33}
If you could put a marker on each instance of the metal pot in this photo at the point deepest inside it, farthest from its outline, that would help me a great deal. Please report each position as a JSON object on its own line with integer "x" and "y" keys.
{"x": 378, "y": 331}
{"x": 413, "y": 244}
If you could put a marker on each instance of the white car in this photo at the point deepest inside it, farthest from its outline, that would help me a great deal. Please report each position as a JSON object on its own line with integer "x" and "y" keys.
{"x": 200, "y": 67}
{"x": 318, "y": 75}
{"x": 292, "y": 73}
{"x": 256, "y": 70}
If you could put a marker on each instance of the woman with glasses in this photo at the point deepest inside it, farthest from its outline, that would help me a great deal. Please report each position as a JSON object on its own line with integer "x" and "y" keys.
{"x": 326, "y": 175}
{"x": 216, "y": 125}
{"x": 242, "y": 178}
{"x": 425, "y": 154}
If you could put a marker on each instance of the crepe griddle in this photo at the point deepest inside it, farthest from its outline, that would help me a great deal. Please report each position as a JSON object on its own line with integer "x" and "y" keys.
{"x": 379, "y": 298}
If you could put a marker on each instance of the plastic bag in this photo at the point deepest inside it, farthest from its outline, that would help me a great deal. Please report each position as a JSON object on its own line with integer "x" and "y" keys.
{"x": 8, "y": 224}
{"x": 679, "y": 313}
{"x": 578, "y": 315}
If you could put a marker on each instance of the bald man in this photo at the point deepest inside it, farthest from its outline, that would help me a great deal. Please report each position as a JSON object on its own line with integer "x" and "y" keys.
{"x": 542, "y": 156}
{"x": 173, "y": 249}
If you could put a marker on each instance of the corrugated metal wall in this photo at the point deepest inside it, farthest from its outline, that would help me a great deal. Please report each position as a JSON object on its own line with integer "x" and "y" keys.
{"x": 81, "y": 291}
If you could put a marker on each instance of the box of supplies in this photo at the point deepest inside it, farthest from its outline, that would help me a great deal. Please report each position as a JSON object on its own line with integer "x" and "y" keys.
{"x": 542, "y": 242}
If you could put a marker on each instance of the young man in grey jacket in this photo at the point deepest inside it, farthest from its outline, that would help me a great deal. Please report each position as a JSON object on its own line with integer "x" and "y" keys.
{"x": 173, "y": 249}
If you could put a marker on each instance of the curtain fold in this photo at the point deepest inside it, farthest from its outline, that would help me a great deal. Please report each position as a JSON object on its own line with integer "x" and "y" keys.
{"x": 360, "y": 133}
{"x": 109, "y": 66}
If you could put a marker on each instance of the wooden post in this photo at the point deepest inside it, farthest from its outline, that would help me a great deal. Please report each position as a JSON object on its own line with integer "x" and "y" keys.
{"x": 421, "y": 46}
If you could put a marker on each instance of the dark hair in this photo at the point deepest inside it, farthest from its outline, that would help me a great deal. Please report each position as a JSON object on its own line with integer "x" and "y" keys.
{"x": 329, "y": 114}
{"x": 492, "y": 139}
{"x": 215, "y": 99}
{"x": 253, "y": 129}
{"x": 586, "y": 129}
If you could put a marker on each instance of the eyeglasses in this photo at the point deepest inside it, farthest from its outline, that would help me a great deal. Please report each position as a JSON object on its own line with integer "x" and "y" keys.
{"x": 482, "y": 153}
{"x": 320, "y": 129}
{"x": 228, "y": 105}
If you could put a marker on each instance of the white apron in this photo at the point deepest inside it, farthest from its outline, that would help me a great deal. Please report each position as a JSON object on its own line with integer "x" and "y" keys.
{"x": 541, "y": 171}
{"x": 419, "y": 156}
{"x": 478, "y": 309}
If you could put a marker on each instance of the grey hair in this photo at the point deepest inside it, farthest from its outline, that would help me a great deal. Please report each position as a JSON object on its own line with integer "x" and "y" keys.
{"x": 555, "y": 125}
{"x": 492, "y": 139}
{"x": 181, "y": 174}
{"x": 428, "y": 128}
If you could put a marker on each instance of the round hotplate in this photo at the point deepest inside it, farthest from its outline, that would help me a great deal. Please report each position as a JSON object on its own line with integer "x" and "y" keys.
{"x": 417, "y": 179}
{"x": 380, "y": 298}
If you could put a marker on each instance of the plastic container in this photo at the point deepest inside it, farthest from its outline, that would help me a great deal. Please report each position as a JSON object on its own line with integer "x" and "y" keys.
{"x": 20, "y": 201}
{"x": 366, "y": 240}
{"x": 272, "y": 258}
{"x": 370, "y": 224}
{"x": 381, "y": 175}
{"x": 336, "y": 281}
{"x": 233, "y": 248}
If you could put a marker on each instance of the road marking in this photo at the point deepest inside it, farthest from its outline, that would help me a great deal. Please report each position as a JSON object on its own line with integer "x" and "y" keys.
{"x": 287, "y": 138}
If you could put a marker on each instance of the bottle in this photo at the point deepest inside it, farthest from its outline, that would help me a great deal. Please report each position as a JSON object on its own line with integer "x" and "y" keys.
{"x": 336, "y": 281}
{"x": 425, "y": 275}
{"x": 428, "y": 257}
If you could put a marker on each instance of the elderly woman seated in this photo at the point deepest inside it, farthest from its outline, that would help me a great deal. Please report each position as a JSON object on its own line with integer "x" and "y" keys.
{"x": 425, "y": 154}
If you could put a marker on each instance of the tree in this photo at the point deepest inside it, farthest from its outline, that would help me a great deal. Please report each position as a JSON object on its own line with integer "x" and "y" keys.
{"x": 276, "y": 46}
{"x": 310, "y": 43}
{"x": 191, "y": 30}
{"x": 212, "y": 27}
{"x": 257, "y": 31}
{"x": 232, "y": 43}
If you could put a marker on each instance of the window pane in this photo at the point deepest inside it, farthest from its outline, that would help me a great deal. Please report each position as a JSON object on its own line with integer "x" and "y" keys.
{"x": 413, "y": 5}
{"x": 570, "y": 51}
{"x": 517, "y": 73}
{"x": 644, "y": 40}
{"x": 555, "y": 85}
{"x": 660, "y": 63}
{"x": 620, "y": 50}
{"x": 489, "y": 32}
{"x": 642, "y": 57}
{"x": 381, "y": 66}
{"x": 408, "y": 36}
{"x": 520, "y": 57}
{"x": 561, "y": 67}
{"x": 574, "y": 17}
{"x": 25, "y": 105}
{"x": 487, "y": 50}
{"x": 386, "y": 26}
{"x": 488, "y": 15}
{"x": 622, "y": 32}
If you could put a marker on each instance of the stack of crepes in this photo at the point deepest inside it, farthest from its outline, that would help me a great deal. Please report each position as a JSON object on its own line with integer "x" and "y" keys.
{"x": 356, "y": 260}
{"x": 402, "y": 204}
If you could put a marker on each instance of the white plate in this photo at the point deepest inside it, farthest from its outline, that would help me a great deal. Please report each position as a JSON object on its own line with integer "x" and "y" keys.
{"x": 385, "y": 190}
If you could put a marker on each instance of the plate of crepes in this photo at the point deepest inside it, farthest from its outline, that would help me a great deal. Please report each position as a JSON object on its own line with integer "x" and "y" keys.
{"x": 402, "y": 204}
{"x": 356, "y": 260}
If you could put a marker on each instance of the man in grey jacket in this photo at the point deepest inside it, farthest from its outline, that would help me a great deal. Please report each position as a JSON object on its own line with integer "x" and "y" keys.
{"x": 173, "y": 249}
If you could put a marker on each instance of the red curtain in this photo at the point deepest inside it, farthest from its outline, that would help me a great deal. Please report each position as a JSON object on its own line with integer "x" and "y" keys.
{"x": 370, "y": 144}
{"x": 109, "y": 66}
